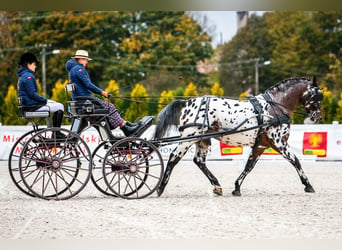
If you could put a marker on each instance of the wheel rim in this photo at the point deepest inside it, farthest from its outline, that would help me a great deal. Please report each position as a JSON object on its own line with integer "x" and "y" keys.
{"x": 55, "y": 169}
{"x": 97, "y": 163}
{"x": 133, "y": 168}
{"x": 13, "y": 162}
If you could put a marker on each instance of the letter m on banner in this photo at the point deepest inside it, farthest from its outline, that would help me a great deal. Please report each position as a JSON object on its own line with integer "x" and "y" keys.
{"x": 315, "y": 143}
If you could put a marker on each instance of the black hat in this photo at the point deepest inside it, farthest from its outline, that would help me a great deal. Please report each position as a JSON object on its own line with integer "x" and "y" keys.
{"x": 27, "y": 58}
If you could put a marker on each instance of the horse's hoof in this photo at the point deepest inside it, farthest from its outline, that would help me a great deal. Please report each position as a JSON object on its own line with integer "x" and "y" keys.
{"x": 217, "y": 190}
{"x": 309, "y": 189}
{"x": 236, "y": 193}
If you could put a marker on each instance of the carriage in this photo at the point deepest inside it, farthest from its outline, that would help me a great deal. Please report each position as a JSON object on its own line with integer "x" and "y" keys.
{"x": 132, "y": 167}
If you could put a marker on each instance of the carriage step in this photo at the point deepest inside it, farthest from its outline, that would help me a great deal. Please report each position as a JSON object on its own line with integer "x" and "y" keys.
{"x": 145, "y": 122}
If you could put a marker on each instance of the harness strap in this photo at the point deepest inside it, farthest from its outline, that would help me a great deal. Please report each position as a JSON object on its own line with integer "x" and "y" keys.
{"x": 280, "y": 118}
{"x": 258, "y": 109}
{"x": 205, "y": 123}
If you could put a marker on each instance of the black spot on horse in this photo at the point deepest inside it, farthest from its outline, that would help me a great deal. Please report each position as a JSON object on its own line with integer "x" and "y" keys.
{"x": 236, "y": 105}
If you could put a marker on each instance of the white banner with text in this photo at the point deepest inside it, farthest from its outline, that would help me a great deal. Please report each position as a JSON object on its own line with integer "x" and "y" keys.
{"x": 312, "y": 142}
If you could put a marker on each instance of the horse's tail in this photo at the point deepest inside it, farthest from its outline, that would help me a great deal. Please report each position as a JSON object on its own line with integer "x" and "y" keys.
{"x": 168, "y": 116}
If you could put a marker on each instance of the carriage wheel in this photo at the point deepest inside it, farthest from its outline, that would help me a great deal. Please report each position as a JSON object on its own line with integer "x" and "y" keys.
{"x": 97, "y": 164}
{"x": 52, "y": 168}
{"x": 13, "y": 162}
{"x": 133, "y": 168}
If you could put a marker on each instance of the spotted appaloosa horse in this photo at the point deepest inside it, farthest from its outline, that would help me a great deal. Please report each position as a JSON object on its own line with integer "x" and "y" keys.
{"x": 261, "y": 122}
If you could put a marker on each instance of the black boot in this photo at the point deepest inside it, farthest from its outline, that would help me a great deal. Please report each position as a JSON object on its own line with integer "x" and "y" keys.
{"x": 131, "y": 128}
{"x": 57, "y": 118}
{"x": 57, "y": 122}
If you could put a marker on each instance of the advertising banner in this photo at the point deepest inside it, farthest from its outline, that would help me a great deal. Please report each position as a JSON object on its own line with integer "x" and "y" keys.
{"x": 314, "y": 142}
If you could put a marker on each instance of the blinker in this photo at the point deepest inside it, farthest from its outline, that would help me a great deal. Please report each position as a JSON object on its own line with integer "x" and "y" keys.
{"x": 318, "y": 97}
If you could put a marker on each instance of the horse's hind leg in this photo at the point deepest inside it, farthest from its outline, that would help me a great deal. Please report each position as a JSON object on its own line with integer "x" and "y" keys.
{"x": 292, "y": 158}
{"x": 252, "y": 160}
{"x": 174, "y": 158}
{"x": 200, "y": 159}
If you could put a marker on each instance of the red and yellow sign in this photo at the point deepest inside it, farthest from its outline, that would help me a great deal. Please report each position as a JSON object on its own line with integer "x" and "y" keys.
{"x": 230, "y": 150}
{"x": 315, "y": 143}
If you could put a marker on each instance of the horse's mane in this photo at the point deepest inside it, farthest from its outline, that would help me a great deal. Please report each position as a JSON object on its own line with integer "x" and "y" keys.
{"x": 286, "y": 83}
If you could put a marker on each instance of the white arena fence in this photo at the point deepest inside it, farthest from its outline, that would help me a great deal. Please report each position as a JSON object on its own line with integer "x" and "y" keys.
{"x": 322, "y": 142}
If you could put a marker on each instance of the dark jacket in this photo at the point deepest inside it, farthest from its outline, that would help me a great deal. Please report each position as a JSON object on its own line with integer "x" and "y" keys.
{"x": 27, "y": 88}
{"x": 79, "y": 76}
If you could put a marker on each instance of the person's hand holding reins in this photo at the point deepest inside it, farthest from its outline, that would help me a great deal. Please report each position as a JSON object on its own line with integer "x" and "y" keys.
{"x": 106, "y": 94}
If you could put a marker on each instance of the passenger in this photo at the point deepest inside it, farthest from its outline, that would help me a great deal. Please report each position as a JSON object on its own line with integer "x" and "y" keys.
{"x": 27, "y": 91}
{"x": 84, "y": 87}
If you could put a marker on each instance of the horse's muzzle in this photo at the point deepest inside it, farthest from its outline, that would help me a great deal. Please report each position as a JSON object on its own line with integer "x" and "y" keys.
{"x": 316, "y": 116}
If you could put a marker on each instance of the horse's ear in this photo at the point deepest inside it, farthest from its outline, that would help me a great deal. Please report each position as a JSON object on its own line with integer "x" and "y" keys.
{"x": 314, "y": 81}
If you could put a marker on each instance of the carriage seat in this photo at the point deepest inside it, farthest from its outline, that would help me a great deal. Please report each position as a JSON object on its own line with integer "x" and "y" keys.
{"x": 85, "y": 105}
{"x": 30, "y": 112}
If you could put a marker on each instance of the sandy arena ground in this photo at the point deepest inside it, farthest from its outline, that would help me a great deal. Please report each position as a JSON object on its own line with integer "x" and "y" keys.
{"x": 273, "y": 205}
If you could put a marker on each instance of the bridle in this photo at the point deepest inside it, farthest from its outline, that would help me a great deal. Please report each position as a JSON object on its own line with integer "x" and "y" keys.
{"x": 311, "y": 101}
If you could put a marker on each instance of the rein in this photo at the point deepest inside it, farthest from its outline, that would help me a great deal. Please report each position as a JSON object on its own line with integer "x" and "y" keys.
{"x": 268, "y": 98}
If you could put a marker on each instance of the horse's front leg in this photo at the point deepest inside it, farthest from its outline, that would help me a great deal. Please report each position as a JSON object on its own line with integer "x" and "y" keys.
{"x": 174, "y": 158}
{"x": 200, "y": 161}
{"x": 253, "y": 157}
{"x": 292, "y": 158}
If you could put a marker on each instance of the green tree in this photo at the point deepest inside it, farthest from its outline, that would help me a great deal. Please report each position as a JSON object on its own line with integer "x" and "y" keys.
{"x": 164, "y": 52}
{"x": 158, "y": 47}
{"x": 137, "y": 108}
{"x": 251, "y": 45}
{"x": 165, "y": 98}
{"x": 338, "y": 116}
{"x": 8, "y": 49}
{"x": 59, "y": 95}
{"x": 292, "y": 39}
{"x": 10, "y": 108}
{"x": 114, "y": 90}
{"x": 216, "y": 89}
{"x": 191, "y": 90}
{"x": 98, "y": 32}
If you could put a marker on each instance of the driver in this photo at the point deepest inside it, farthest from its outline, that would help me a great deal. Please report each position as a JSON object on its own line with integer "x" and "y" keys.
{"x": 84, "y": 87}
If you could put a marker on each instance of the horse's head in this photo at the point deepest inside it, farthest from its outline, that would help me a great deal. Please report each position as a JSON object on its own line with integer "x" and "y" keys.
{"x": 311, "y": 101}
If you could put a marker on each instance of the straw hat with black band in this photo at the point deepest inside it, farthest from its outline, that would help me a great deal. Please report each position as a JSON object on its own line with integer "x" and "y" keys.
{"x": 82, "y": 54}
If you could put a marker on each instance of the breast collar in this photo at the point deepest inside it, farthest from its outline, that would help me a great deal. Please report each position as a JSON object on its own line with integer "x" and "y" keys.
{"x": 281, "y": 116}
